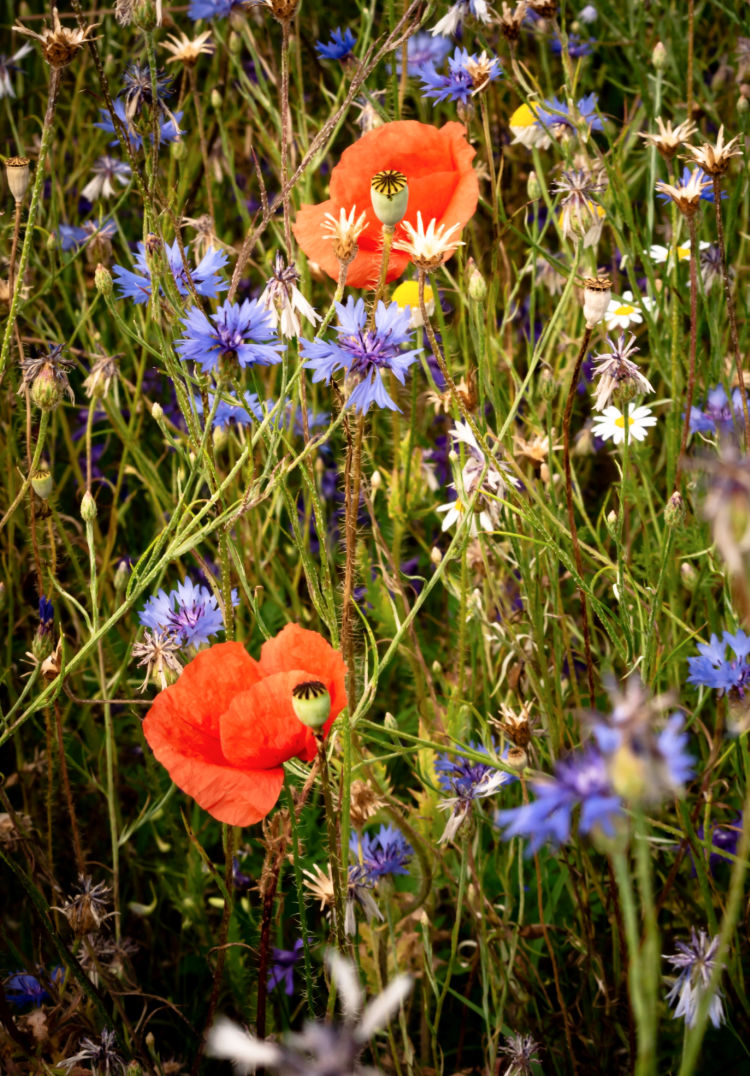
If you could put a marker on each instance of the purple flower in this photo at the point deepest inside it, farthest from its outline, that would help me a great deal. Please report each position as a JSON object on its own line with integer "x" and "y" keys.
{"x": 169, "y": 131}
{"x": 387, "y": 852}
{"x": 138, "y": 89}
{"x": 206, "y": 281}
{"x": 364, "y": 353}
{"x": 72, "y": 236}
{"x": 213, "y": 9}
{"x": 580, "y": 780}
{"x": 46, "y": 616}
{"x": 194, "y": 620}
{"x": 467, "y": 75}
{"x": 696, "y": 960}
{"x": 723, "y": 841}
{"x": 241, "y": 332}
{"x": 423, "y": 48}
{"x": 714, "y": 669}
{"x": 339, "y": 45}
{"x": 227, "y": 414}
{"x": 717, "y": 415}
{"x": 282, "y": 969}
{"x": 576, "y": 46}
{"x": 553, "y": 112}
{"x": 469, "y": 781}
{"x": 22, "y": 989}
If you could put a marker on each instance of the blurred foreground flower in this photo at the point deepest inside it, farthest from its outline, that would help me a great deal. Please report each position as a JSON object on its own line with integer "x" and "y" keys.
{"x": 224, "y": 730}
{"x": 320, "y": 1049}
{"x": 695, "y": 960}
{"x": 442, "y": 185}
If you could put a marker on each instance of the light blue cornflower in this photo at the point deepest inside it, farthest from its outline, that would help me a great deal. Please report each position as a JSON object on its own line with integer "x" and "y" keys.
{"x": 8, "y": 64}
{"x": 238, "y": 414}
{"x": 588, "y": 14}
{"x": 553, "y": 112}
{"x": 423, "y": 48}
{"x": 138, "y": 88}
{"x": 339, "y": 46}
{"x": 388, "y": 852}
{"x": 581, "y": 780}
{"x": 707, "y": 191}
{"x": 169, "y": 130}
{"x": 364, "y": 353}
{"x": 22, "y": 988}
{"x": 469, "y": 781}
{"x": 206, "y": 281}
{"x": 190, "y": 613}
{"x": 467, "y": 76}
{"x": 72, "y": 236}
{"x": 714, "y": 669}
{"x": 695, "y": 960}
{"x": 241, "y": 332}
{"x": 717, "y": 416}
{"x": 452, "y": 22}
{"x": 213, "y": 9}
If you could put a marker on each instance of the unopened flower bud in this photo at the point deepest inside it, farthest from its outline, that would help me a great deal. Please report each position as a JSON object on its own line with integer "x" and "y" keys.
{"x": 389, "y": 192}
{"x": 659, "y": 56}
{"x": 157, "y": 412}
{"x": 103, "y": 280}
{"x": 178, "y": 150}
{"x": 122, "y": 574}
{"x": 597, "y": 292}
{"x": 389, "y": 721}
{"x": 611, "y": 522}
{"x": 533, "y": 187}
{"x": 477, "y": 285}
{"x": 41, "y": 483}
{"x": 688, "y": 575}
{"x": 216, "y": 99}
{"x": 46, "y": 392}
{"x": 144, "y": 15}
{"x": 547, "y": 384}
{"x": 376, "y": 481}
{"x": 742, "y": 104}
{"x": 311, "y": 703}
{"x": 234, "y": 44}
{"x": 436, "y": 555}
{"x": 675, "y": 511}
{"x": 18, "y": 175}
{"x": 88, "y": 508}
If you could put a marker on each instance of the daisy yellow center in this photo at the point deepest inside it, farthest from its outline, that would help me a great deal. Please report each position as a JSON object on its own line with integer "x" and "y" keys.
{"x": 524, "y": 116}
{"x": 683, "y": 252}
{"x": 620, "y": 421}
{"x": 407, "y": 294}
{"x": 625, "y": 310}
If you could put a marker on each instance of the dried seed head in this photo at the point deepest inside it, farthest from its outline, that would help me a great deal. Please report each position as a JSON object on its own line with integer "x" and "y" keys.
{"x": 714, "y": 160}
{"x": 510, "y": 21}
{"x": 668, "y": 139}
{"x": 18, "y": 174}
{"x": 597, "y": 291}
{"x": 345, "y": 231}
{"x": 86, "y": 910}
{"x": 366, "y": 801}
{"x": 102, "y": 374}
{"x": 687, "y": 197}
{"x": 60, "y": 45}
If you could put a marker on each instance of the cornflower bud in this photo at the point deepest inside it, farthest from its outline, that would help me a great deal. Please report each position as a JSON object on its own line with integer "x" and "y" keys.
{"x": 88, "y": 508}
{"x": 659, "y": 57}
{"x": 675, "y": 511}
{"x": 103, "y": 280}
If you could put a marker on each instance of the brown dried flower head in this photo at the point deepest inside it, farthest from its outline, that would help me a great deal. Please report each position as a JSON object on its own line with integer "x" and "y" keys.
{"x": 60, "y": 45}
{"x": 668, "y": 139}
{"x": 518, "y": 727}
{"x": 87, "y": 909}
{"x": 366, "y": 801}
{"x": 687, "y": 197}
{"x": 714, "y": 160}
{"x": 186, "y": 51}
{"x": 545, "y": 8}
{"x": 510, "y": 21}
{"x": 345, "y": 230}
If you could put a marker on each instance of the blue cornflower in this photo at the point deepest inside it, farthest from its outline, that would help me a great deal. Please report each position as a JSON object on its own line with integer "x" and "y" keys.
{"x": 387, "y": 852}
{"x": 213, "y": 9}
{"x": 46, "y": 616}
{"x": 21, "y": 989}
{"x": 467, "y": 76}
{"x": 72, "y": 236}
{"x": 707, "y": 191}
{"x": 714, "y": 669}
{"x": 452, "y": 22}
{"x": 196, "y": 617}
{"x": 169, "y": 131}
{"x": 717, "y": 415}
{"x": 364, "y": 353}
{"x": 468, "y": 781}
{"x": 576, "y": 46}
{"x": 581, "y": 779}
{"x": 696, "y": 960}
{"x": 723, "y": 840}
{"x": 423, "y": 48}
{"x": 282, "y": 969}
{"x": 8, "y": 64}
{"x": 241, "y": 414}
{"x": 206, "y": 281}
{"x": 339, "y": 45}
{"x": 240, "y": 331}
{"x": 553, "y": 112}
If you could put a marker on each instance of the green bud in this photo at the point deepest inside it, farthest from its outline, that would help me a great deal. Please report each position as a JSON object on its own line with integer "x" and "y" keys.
{"x": 477, "y": 285}
{"x": 51, "y": 241}
{"x": 389, "y": 721}
{"x": 742, "y": 104}
{"x": 88, "y": 508}
{"x": 46, "y": 391}
{"x": 659, "y": 56}
{"x": 144, "y": 17}
{"x": 611, "y": 522}
{"x": 122, "y": 574}
{"x": 178, "y": 151}
{"x": 41, "y": 483}
{"x": 389, "y": 192}
{"x": 675, "y": 511}
{"x": 533, "y": 187}
{"x": 103, "y": 280}
{"x": 312, "y": 703}
{"x": 234, "y": 44}
{"x": 157, "y": 412}
{"x": 547, "y": 384}
{"x": 216, "y": 99}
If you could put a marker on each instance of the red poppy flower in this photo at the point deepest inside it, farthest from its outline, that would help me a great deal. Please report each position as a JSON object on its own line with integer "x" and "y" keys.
{"x": 442, "y": 185}
{"x": 227, "y": 725}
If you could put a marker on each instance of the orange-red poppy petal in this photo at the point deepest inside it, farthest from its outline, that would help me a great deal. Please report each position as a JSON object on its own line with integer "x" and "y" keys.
{"x": 260, "y": 728}
{"x": 299, "y": 648}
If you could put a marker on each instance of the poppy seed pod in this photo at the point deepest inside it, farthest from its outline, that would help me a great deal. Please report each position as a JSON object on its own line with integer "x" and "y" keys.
{"x": 597, "y": 291}
{"x": 389, "y": 192}
{"x": 311, "y": 702}
{"x": 18, "y": 174}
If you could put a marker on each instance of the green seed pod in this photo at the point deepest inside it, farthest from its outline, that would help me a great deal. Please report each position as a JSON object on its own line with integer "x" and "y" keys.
{"x": 178, "y": 151}
{"x": 103, "y": 280}
{"x": 389, "y": 192}
{"x": 46, "y": 391}
{"x": 312, "y": 703}
{"x": 41, "y": 483}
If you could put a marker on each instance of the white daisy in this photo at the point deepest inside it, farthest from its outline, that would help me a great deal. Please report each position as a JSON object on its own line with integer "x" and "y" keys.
{"x": 659, "y": 254}
{"x": 610, "y": 425}
{"x": 624, "y": 312}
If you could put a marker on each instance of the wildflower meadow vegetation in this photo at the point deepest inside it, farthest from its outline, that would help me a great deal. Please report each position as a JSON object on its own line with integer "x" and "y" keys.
{"x": 374, "y": 537}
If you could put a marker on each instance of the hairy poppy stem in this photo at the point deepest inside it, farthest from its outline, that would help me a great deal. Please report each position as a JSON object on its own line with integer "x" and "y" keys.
{"x": 388, "y": 233}
{"x": 571, "y": 510}
{"x": 333, "y": 847}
